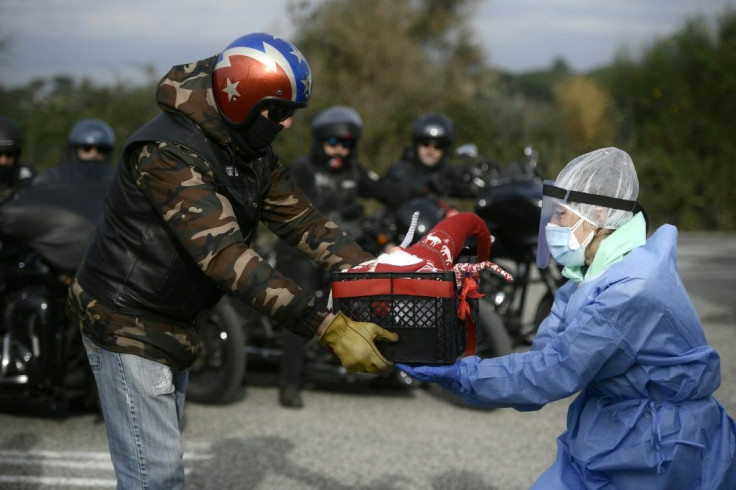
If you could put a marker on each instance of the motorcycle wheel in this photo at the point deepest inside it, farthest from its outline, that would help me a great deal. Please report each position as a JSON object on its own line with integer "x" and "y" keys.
{"x": 495, "y": 340}
{"x": 216, "y": 377}
{"x": 543, "y": 309}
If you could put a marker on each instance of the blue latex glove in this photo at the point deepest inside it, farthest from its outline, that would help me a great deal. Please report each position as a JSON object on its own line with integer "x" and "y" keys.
{"x": 446, "y": 375}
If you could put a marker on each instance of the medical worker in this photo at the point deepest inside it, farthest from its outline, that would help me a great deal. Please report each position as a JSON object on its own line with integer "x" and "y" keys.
{"x": 623, "y": 333}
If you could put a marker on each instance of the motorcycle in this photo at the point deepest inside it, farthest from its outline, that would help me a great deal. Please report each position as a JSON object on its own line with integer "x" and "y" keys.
{"x": 43, "y": 365}
{"x": 509, "y": 203}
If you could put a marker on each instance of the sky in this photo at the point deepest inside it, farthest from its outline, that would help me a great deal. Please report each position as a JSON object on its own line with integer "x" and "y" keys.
{"x": 111, "y": 40}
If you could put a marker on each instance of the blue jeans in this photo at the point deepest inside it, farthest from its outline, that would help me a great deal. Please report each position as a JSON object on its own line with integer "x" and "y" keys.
{"x": 143, "y": 403}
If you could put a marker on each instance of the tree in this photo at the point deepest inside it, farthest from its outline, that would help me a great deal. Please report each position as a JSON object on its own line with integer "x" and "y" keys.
{"x": 678, "y": 105}
{"x": 389, "y": 59}
{"x": 586, "y": 111}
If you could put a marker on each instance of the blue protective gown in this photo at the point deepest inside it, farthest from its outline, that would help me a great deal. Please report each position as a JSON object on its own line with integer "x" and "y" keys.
{"x": 630, "y": 339}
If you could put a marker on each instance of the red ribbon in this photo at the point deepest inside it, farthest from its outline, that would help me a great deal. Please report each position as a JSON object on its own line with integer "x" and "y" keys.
{"x": 469, "y": 290}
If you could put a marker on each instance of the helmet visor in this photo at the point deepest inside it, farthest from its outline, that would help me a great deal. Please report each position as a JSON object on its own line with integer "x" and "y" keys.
{"x": 555, "y": 199}
{"x": 551, "y": 209}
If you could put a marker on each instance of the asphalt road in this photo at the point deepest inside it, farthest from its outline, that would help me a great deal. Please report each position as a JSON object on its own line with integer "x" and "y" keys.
{"x": 359, "y": 439}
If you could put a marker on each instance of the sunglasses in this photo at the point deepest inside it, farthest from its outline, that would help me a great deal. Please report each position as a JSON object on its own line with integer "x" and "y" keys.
{"x": 89, "y": 148}
{"x": 344, "y": 142}
{"x": 431, "y": 144}
{"x": 279, "y": 112}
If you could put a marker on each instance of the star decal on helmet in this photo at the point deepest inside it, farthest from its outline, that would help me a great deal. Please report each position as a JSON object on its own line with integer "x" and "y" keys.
{"x": 231, "y": 89}
{"x": 298, "y": 55}
{"x": 307, "y": 82}
{"x": 269, "y": 56}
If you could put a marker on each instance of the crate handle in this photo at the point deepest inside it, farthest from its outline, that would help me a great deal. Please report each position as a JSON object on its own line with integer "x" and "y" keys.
{"x": 387, "y": 286}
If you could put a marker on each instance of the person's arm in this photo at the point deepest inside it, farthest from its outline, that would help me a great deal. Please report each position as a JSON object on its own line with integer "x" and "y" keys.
{"x": 552, "y": 324}
{"x": 591, "y": 345}
{"x": 388, "y": 192}
{"x": 180, "y": 186}
{"x": 289, "y": 214}
{"x": 400, "y": 174}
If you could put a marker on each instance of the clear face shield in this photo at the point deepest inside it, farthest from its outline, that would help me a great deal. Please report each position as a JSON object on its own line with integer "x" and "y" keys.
{"x": 555, "y": 199}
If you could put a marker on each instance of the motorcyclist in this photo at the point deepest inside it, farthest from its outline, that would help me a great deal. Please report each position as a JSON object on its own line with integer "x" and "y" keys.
{"x": 334, "y": 180}
{"x": 14, "y": 175}
{"x": 331, "y": 174}
{"x": 190, "y": 188}
{"x": 432, "y": 135}
{"x": 88, "y": 155}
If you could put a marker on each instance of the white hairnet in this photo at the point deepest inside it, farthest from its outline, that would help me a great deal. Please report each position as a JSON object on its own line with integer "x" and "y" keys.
{"x": 605, "y": 172}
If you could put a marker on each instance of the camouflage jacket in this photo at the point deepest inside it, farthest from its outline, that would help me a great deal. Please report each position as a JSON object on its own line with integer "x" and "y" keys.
{"x": 173, "y": 238}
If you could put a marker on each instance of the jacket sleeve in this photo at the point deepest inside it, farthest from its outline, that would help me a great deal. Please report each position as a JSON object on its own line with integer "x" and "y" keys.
{"x": 181, "y": 186}
{"x": 590, "y": 344}
{"x": 289, "y": 214}
{"x": 303, "y": 176}
{"x": 388, "y": 192}
{"x": 399, "y": 174}
{"x": 554, "y": 322}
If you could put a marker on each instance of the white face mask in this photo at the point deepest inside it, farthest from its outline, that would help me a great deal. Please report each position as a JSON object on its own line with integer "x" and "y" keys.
{"x": 564, "y": 246}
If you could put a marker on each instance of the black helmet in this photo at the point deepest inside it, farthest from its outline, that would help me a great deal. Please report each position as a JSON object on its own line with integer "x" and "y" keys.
{"x": 433, "y": 126}
{"x": 338, "y": 121}
{"x": 11, "y": 140}
{"x": 344, "y": 125}
{"x": 92, "y": 132}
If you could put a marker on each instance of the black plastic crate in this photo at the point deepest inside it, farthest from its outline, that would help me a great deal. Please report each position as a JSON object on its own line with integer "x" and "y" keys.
{"x": 421, "y": 307}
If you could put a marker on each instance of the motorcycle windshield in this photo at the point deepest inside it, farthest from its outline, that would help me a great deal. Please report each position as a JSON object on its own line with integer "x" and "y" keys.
{"x": 551, "y": 208}
{"x": 57, "y": 220}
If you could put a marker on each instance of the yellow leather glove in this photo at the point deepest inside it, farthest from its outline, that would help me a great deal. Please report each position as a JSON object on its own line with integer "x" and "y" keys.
{"x": 353, "y": 343}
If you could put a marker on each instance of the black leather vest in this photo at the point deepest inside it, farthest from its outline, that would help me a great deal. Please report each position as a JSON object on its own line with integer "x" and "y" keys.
{"x": 134, "y": 263}
{"x": 331, "y": 192}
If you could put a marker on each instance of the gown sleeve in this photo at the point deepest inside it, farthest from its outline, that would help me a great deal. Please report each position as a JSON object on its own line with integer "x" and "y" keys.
{"x": 591, "y": 344}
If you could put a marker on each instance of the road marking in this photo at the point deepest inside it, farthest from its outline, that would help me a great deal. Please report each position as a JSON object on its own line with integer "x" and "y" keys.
{"x": 96, "y": 455}
{"x": 87, "y": 455}
{"x": 74, "y": 460}
{"x": 58, "y": 481}
{"x": 57, "y": 463}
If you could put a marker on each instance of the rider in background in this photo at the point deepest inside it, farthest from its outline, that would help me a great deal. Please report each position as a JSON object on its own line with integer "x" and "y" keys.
{"x": 14, "y": 175}
{"x": 88, "y": 155}
{"x": 422, "y": 163}
{"x": 425, "y": 166}
{"x": 430, "y": 174}
{"x": 334, "y": 180}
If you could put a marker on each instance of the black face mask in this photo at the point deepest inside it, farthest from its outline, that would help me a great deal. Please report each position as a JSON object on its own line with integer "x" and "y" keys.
{"x": 7, "y": 174}
{"x": 257, "y": 137}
